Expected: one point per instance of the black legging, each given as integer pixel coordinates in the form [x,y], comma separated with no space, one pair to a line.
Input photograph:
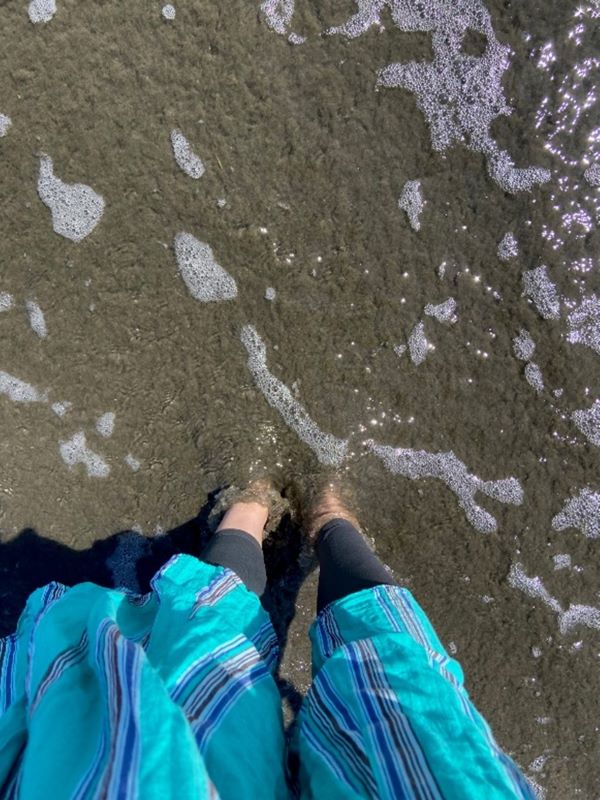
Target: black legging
[347,564]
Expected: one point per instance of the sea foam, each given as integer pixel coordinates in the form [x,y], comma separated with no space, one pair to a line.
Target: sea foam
[185,157]
[37,320]
[76,208]
[446,467]
[206,280]
[584,323]
[5,123]
[75,451]
[581,512]
[542,292]
[508,247]
[41,10]
[329,449]
[19,391]
[588,422]
[411,201]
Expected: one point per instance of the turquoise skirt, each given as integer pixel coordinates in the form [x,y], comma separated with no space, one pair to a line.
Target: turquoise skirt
[172,695]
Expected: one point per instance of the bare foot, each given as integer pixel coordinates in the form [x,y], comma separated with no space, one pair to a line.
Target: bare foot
[250,508]
[328,503]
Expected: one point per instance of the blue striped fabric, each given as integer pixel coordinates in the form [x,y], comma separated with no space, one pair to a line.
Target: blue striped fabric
[172,695]
[389,702]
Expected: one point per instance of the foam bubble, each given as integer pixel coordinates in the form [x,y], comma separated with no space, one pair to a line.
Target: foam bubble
[5,123]
[6,301]
[584,323]
[444,312]
[577,615]
[76,208]
[534,377]
[36,319]
[18,391]
[61,408]
[446,467]
[296,39]
[540,289]
[132,462]
[41,10]
[206,280]
[459,94]
[508,247]
[573,617]
[400,349]
[329,449]
[105,424]
[168,11]
[534,587]
[270,293]
[523,345]
[592,174]
[75,451]
[418,346]
[185,157]
[411,201]
[561,561]
[582,512]
[588,422]
[278,14]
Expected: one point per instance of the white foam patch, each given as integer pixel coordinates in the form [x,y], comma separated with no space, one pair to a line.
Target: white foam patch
[278,14]
[400,349]
[523,345]
[61,408]
[185,157]
[592,174]
[36,319]
[418,346]
[584,323]
[20,392]
[105,424]
[329,449]
[5,123]
[411,201]
[444,312]
[131,547]
[542,292]
[41,10]
[295,38]
[581,512]
[561,561]
[169,12]
[508,248]
[76,208]
[460,94]
[575,616]
[270,293]
[534,587]
[132,462]
[446,467]
[75,451]
[534,377]
[6,301]
[588,422]
[206,280]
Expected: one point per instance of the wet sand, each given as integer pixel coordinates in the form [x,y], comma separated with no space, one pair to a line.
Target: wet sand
[310,161]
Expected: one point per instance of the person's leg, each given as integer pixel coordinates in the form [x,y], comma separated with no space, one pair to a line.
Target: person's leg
[347,564]
[237,544]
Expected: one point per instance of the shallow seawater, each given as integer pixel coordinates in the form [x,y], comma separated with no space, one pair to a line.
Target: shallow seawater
[450,368]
